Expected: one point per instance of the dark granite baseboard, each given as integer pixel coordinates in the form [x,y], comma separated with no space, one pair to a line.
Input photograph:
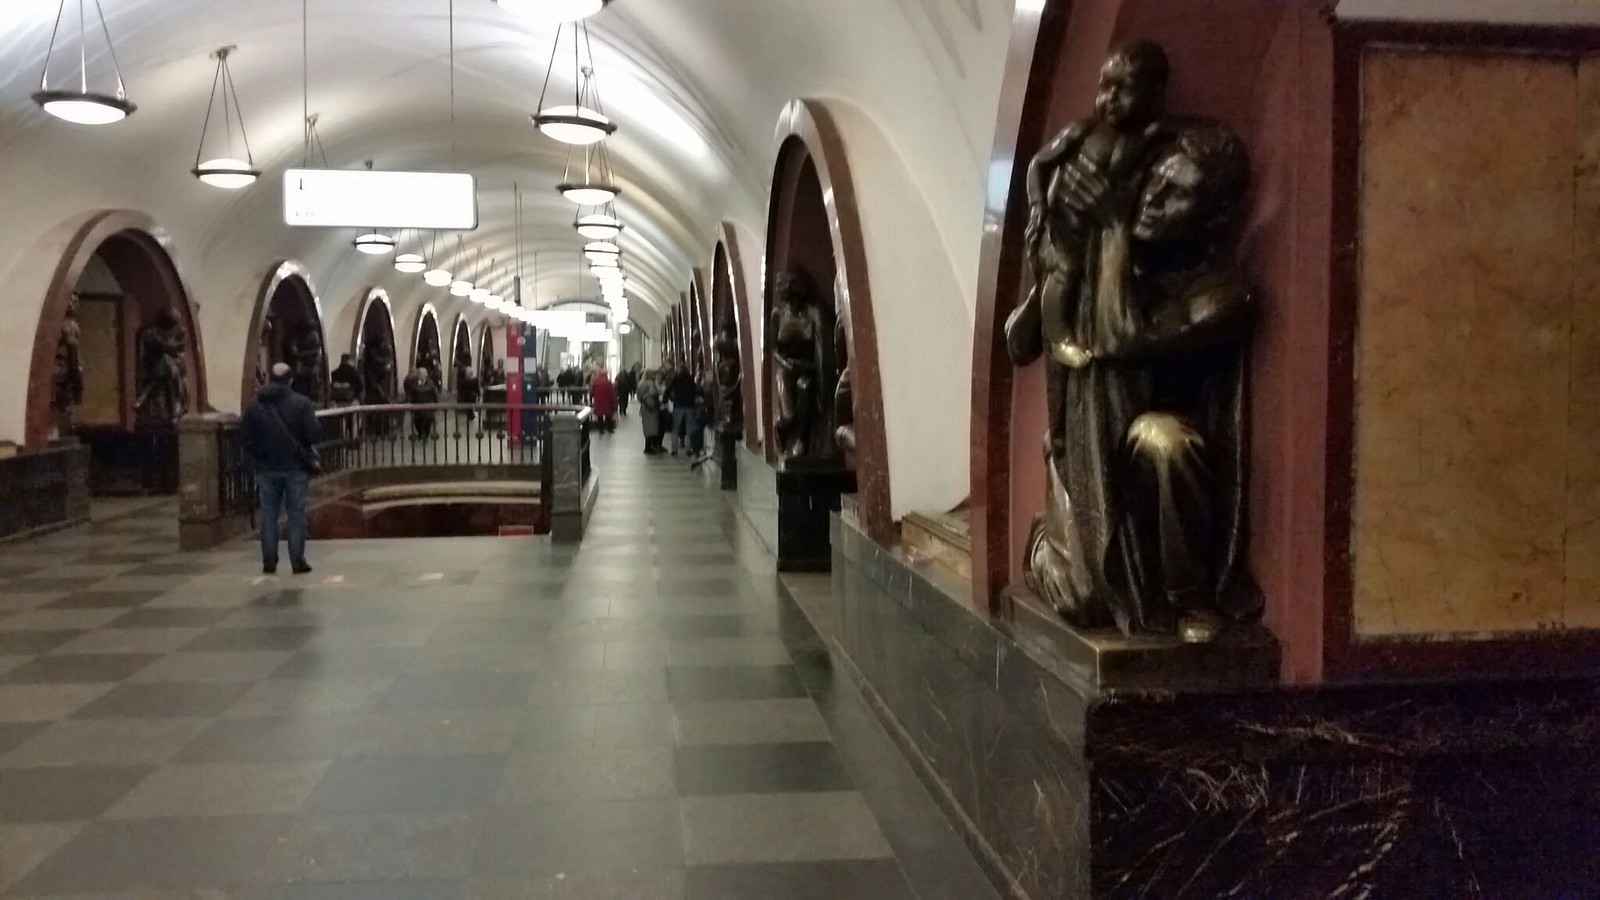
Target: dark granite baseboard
[1463,789]
[44,490]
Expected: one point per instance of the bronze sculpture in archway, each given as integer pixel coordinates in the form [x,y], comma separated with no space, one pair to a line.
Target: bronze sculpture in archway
[287,327]
[118,355]
[373,344]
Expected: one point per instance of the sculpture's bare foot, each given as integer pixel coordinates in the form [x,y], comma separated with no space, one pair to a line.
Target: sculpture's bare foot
[1199,628]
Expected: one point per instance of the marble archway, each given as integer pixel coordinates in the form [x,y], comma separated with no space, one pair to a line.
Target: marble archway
[119,273]
[286,326]
[729,301]
[486,357]
[374,346]
[813,226]
[460,348]
[427,346]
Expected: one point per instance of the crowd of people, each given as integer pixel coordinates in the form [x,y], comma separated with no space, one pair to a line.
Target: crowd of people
[673,402]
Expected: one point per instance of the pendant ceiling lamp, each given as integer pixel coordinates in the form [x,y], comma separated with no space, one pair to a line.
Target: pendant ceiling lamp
[624,327]
[461,287]
[438,276]
[481,294]
[601,248]
[374,243]
[554,10]
[228,171]
[83,106]
[584,120]
[594,185]
[414,262]
[599,226]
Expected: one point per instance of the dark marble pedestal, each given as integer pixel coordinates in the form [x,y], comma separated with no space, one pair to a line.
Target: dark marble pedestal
[1070,786]
[809,493]
[728,458]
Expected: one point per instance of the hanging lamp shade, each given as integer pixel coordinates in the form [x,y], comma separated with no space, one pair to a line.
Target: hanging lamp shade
[589,193]
[601,247]
[554,10]
[583,121]
[480,295]
[410,263]
[461,288]
[228,171]
[83,106]
[437,277]
[599,226]
[374,243]
[624,327]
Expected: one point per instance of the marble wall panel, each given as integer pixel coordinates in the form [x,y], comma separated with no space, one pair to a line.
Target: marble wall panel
[1474,397]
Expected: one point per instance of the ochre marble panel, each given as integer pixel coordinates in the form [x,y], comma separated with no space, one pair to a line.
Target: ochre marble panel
[1478,357]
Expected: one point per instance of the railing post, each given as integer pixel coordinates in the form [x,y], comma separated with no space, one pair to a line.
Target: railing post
[568,504]
[200,479]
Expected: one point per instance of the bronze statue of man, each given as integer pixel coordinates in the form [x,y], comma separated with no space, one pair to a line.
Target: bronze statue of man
[377,370]
[797,334]
[1143,526]
[67,384]
[729,375]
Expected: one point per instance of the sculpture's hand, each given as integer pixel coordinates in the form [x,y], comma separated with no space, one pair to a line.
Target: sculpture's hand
[1070,354]
[1088,192]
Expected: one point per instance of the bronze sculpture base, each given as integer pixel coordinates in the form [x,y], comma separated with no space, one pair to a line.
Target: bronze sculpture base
[1103,659]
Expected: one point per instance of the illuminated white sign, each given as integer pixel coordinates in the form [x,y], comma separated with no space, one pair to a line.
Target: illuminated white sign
[337,198]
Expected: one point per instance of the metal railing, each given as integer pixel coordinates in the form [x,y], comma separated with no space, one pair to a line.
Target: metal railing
[393,436]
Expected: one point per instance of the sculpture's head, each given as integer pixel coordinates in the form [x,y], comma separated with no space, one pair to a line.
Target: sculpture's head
[167,318]
[1197,188]
[793,288]
[1133,85]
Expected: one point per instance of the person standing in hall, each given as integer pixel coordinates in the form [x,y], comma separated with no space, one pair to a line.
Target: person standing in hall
[603,400]
[281,432]
[650,412]
[682,392]
[421,391]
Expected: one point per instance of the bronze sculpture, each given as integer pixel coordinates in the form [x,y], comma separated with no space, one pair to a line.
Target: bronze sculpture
[797,335]
[303,351]
[730,377]
[1144,323]
[844,402]
[377,371]
[164,392]
[67,384]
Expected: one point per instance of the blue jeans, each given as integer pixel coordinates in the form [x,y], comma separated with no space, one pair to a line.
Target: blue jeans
[282,492]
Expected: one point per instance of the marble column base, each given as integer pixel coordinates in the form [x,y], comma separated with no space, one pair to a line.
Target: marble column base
[809,494]
[728,459]
[1069,788]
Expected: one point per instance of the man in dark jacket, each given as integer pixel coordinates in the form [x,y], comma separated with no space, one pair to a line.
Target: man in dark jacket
[682,392]
[280,431]
[346,382]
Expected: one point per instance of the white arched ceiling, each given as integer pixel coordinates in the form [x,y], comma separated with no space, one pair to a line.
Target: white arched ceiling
[695,85]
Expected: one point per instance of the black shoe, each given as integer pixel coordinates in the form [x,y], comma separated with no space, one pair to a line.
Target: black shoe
[269,568]
[300,568]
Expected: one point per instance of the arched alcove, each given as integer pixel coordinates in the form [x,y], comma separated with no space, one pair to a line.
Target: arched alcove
[373,344]
[286,326]
[813,226]
[460,348]
[427,347]
[699,322]
[486,354]
[112,288]
[729,302]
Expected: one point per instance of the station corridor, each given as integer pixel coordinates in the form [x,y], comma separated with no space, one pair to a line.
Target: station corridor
[439,719]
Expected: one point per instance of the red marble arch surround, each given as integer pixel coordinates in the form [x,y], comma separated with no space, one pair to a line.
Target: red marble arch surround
[424,313]
[728,286]
[806,131]
[369,297]
[483,341]
[281,272]
[154,273]
[1264,67]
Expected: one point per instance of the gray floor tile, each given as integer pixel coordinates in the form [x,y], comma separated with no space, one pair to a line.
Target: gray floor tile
[32,643]
[105,599]
[58,619]
[737,651]
[151,617]
[46,702]
[111,742]
[391,846]
[220,789]
[214,667]
[552,729]
[278,638]
[348,662]
[665,884]
[80,669]
[458,691]
[153,701]
[304,697]
[749,722]
[166,854]
[759,769]
[692,684]
[626,726]
[393,784]
[591,775]
[593,837]
[130,640]
[780,828]
[64,794]
[411,889]
[873,879]
[24,846]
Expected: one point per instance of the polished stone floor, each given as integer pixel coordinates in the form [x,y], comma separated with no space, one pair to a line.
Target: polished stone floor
[446,718]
